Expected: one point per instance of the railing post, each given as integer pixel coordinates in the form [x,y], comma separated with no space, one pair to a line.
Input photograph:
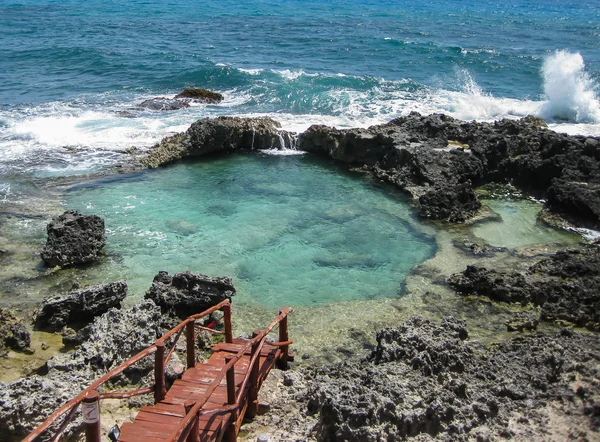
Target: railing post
[231,433]
[227,320]
[194,435]
[283,337]
[91,416]
[160,389]
[190,335]
[253,390]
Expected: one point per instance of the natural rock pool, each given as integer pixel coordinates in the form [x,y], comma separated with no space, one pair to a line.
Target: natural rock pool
[289,230]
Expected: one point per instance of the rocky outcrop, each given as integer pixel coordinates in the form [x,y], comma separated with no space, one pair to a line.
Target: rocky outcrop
[424,380]
[433,154]
[73,238]
[185,294]
[199,95]
[13,333]
[566,286]
[112,339]
[80,306]
[455,203]
[222,134]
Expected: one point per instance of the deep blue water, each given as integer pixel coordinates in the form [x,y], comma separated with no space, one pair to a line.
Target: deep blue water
[57,50]
[71,72]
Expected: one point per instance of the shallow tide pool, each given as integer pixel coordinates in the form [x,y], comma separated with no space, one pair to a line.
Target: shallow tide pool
[289,230]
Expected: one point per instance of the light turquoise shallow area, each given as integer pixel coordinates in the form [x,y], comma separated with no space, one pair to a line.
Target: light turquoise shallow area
[519,226]
[290,230]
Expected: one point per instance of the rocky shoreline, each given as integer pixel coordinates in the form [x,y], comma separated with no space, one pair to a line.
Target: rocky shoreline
[424,380]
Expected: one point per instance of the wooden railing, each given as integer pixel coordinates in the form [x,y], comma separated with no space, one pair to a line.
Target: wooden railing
[91,396]
[188,429]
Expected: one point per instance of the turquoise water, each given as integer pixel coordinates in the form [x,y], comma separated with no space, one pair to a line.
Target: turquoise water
[519,226]
[288,229]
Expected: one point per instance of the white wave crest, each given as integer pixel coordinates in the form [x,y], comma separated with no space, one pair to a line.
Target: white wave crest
[570,92]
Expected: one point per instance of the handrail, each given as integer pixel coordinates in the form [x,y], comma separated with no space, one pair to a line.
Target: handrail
[196,411]
[118,370]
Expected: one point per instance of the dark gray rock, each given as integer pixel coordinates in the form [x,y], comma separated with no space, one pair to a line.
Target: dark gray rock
[200,95]
[185,294]
[112,338]
[80,306]
[566,286]
[426,381]
[73,239]
[454,203]
[13,333]
[496,285]
[163,104]
[222,134]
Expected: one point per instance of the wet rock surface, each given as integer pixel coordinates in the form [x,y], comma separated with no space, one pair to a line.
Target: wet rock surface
[80,306]
[73,238]
[426,381]
[163,104]
[187,293]
[199,95]
[13,333]
[222,134]
[566,286]
[110,340]
[422,154]
[523,321]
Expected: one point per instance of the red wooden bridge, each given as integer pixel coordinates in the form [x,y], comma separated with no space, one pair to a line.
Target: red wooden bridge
[208,402]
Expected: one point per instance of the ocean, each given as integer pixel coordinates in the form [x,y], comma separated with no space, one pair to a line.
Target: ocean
[72,72]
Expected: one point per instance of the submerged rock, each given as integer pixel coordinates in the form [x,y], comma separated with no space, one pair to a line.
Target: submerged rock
[222,134]
[523,321]
[73,238]
[163,104]
[566,286]
[426,381]
[187,293]
[111,339]
[13,333]
[80,306]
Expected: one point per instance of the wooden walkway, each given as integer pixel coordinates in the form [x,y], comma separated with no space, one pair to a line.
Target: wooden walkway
[208,402]
[159,422]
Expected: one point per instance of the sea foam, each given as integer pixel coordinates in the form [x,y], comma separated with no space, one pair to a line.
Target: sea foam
[570,91]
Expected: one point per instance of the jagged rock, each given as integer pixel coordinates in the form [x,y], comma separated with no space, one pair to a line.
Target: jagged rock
[523,321]
[200,95]
[566,286]
[163,104]
[499,286]
[222,134]
[455,203]
[111,339]
[425,154]
[13,333]
[425,381]
[80,306]
[185,294]
[73,239]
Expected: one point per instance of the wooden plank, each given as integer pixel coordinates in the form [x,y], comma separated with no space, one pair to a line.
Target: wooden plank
[165,408]
[156,423]
[153,416]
